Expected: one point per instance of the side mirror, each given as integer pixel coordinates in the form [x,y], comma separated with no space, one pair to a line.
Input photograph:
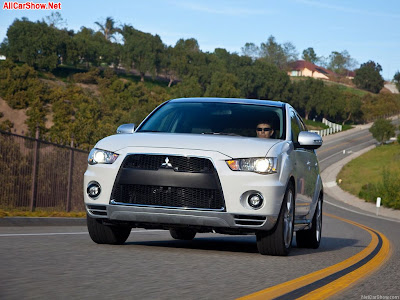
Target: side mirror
[126,128]
[309,140]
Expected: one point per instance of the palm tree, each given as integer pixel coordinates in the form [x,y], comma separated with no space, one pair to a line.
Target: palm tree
[108,28]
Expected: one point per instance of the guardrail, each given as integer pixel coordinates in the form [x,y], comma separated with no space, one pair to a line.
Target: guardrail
[333,128]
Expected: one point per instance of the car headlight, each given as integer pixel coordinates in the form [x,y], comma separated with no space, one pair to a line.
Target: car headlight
[263,165]
[98,156]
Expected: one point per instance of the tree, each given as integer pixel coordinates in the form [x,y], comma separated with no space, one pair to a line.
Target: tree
[186,57]
[36,117]
[310,55]
[263,80]
[332,102]
[398,137]
[188,87]
[307,95]
[279,55]
[4,48]
[91,49]
[251,50]
[352,109]
[19,85]
[396,79]
[37,44]
[142,50]
[340,62]
[368,77]
[108,29]
[223,85]
[382,130]
[55,20]
[167,65]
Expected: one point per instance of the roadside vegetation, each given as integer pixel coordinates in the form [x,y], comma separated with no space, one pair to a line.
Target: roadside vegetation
[82,85]
[374,174]
[40,213]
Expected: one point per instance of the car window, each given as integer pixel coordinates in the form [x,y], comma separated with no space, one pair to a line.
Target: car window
[295,127]
[215,118]
[303,127]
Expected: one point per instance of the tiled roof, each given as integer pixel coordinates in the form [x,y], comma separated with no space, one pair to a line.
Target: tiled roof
[350,73]
[302,64]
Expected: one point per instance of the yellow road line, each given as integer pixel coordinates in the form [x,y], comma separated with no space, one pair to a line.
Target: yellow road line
[349,279]
[339,284]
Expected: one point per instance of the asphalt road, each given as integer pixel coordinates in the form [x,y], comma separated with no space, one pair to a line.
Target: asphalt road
[63,263]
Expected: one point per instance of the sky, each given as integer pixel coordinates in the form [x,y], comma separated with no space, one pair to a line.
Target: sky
[367,29]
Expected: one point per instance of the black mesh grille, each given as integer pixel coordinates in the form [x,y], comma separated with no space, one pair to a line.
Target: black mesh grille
[179,163]
[181,195]
[169,196]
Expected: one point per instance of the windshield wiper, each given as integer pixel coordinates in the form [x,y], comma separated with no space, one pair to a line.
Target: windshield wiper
[149,131]
[222,133]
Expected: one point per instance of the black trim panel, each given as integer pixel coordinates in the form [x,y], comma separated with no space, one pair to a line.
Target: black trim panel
[168,177]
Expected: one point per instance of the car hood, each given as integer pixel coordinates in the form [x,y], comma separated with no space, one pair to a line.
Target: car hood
[232,146]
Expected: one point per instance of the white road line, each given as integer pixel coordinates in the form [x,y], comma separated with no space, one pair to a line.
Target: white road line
[63,233]
[41,234]
[360,213]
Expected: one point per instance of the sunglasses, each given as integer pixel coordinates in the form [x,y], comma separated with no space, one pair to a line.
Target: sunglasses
[264,129]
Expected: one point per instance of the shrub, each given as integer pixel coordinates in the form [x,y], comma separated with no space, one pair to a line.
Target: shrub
[388,189]
[382,130]
[6,125]
[90,77]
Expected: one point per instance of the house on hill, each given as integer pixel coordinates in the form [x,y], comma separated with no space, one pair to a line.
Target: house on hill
[308,69]
[350,74]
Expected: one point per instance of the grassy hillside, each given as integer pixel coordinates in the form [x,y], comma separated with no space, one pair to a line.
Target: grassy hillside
[374,174]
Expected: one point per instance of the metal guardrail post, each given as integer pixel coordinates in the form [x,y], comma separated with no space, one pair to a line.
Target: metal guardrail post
[35,171]
[69,188]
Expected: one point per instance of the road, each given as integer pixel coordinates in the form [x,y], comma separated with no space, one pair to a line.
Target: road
[63,263]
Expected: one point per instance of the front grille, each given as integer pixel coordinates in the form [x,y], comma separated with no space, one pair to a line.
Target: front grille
[178,163]
[173,197]
[143,181]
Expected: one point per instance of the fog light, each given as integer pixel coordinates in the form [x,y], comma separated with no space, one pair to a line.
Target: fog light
[255,200]
[93,189]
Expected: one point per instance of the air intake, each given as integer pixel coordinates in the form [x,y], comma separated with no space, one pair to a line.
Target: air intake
[246,220]
[98,210]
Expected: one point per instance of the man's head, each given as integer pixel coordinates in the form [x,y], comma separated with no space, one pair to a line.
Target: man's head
[264,130]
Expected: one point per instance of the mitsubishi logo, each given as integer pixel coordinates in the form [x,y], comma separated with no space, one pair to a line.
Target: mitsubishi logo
[167,164]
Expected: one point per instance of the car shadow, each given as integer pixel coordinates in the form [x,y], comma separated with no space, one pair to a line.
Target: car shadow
[244,244]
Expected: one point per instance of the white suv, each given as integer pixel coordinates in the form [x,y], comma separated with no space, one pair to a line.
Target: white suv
[229,166]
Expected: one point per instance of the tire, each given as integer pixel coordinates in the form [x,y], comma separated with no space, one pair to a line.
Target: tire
[278,241]
[182,233]
[106,234]
[311,238]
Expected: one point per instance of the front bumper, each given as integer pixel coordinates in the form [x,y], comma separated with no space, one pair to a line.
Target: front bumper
[162,217]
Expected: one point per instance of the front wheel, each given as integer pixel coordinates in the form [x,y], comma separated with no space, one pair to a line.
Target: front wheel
[278,241]
[107,234]
[311,238]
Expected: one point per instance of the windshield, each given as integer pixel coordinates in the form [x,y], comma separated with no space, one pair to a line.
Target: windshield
[216,118]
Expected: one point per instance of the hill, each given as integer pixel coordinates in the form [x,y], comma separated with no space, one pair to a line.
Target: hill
[86,105]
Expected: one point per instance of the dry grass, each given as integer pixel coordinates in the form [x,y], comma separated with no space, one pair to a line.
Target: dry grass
[17,116]
[41,213]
